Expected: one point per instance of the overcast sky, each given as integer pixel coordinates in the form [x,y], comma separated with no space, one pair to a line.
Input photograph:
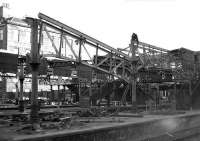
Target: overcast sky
[168,24]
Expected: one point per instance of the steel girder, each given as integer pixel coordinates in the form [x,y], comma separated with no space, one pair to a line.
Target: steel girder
[84,49]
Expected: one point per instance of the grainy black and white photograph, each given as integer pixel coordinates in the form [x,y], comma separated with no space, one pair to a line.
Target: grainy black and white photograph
[99,70]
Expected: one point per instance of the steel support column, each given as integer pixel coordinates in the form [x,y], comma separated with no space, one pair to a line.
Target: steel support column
[34,63]
[59,94]
[174,97]
[133,48]
[190,93]
[90,93]
[21,79]
[80,50]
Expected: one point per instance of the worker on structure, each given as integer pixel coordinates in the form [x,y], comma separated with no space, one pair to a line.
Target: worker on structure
[134,38]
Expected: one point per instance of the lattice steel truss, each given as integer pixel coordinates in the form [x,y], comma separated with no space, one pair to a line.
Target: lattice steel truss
[56,41]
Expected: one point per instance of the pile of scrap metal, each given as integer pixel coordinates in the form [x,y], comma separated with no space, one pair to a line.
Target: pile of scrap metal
[93,112]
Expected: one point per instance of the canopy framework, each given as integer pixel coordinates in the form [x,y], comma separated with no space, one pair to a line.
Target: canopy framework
[64,44]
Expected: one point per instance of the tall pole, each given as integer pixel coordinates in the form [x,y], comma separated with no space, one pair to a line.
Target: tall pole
[174,97]
[34,63]
[90,88]
[79,71]
[59,94]
[51,94]
[80,50]
[21,79]
[190,93]
[133,47]
[90,93]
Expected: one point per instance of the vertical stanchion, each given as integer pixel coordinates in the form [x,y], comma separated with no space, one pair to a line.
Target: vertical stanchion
[59,95]
[190,93]
[34,63]
[90,93]
[133,47]
[21,79]
[174,97]
[21,102]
